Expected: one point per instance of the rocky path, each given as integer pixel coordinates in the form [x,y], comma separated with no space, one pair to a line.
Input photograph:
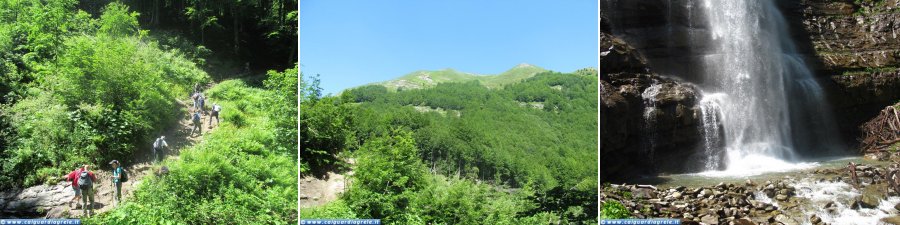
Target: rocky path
[317,191]
[822,196]
[52,201]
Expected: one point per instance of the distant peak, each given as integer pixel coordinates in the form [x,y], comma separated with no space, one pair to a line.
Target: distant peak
[523,65]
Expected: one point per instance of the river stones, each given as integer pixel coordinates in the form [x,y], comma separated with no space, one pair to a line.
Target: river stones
[858,204]
[872,195]
[786,220]
[676,195]
[781,197]
[643,193]
[744,221]
[895,220]
[709,219]
[815,219]
[704,193]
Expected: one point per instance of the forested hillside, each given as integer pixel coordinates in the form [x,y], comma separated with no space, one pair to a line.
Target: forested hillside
[86,82]
[259,34]
[458,153]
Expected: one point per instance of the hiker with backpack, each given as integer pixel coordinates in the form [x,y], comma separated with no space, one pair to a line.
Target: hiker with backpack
[118,176]
[202,100]
[196,98]
[158,145]
[215,113]
[86,180]
[73,177]
[197,123]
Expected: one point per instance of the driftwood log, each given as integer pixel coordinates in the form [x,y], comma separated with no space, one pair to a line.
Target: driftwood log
[882,132]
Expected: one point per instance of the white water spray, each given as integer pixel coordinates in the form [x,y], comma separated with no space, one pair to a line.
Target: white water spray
[831,201]
[752,68]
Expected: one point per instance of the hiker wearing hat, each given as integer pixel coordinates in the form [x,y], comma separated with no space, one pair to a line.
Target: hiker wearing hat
[118,176]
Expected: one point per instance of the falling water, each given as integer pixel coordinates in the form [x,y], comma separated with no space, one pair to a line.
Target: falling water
[710,122]
[754,65]
[649,97]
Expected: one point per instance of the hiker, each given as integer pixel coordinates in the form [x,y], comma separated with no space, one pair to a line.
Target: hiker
[201,100]
[197,123]
[158,145]
[215,113]
[196,97]
[117,179]
[196,87]
[86,180]
[73,177]
[852,167]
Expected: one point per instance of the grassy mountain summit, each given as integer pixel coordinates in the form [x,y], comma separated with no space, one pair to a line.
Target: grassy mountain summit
[425,79]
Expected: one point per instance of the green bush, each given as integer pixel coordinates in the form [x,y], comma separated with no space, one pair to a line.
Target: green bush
[612,209]
[387,176]
[337,209]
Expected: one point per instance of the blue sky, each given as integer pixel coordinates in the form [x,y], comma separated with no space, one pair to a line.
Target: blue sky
[351,43]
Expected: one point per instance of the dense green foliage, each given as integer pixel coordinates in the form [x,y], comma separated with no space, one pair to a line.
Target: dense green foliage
[233,176]
[612,209]
[459,153]
[538,132]
[82,82]
[283,91]
[81,90]
[325,131]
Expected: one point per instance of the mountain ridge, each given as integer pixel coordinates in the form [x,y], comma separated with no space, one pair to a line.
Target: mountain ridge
[428,78]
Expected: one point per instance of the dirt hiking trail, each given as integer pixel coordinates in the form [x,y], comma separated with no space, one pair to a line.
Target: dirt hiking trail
[52,201]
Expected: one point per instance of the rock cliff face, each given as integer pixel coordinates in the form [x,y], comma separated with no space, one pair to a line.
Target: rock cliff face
[646,119]
[855,48]
[852,45]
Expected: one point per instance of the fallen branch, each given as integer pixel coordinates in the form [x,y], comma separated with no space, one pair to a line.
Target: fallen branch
[881,132]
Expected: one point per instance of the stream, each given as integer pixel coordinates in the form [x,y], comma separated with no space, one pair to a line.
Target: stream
[827,196]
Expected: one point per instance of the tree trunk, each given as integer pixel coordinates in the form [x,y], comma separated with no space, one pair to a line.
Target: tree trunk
[236,28]
[293,53]
[154,19]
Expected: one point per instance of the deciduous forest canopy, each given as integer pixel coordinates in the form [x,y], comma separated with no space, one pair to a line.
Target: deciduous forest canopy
[458,153]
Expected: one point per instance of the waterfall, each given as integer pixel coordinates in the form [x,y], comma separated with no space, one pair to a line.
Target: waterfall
[710,121]
[649,98]
[754,67]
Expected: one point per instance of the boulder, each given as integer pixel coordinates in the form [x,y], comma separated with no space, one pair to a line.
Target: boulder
[786,220]
[781,197]
[815,219]
[709,219]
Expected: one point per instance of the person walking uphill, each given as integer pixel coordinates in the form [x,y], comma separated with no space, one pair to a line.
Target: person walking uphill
[73,177]
[118,176]
[158,146]
[215,113]
[197,123]
[196,98]
[86,180]
[201,100]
